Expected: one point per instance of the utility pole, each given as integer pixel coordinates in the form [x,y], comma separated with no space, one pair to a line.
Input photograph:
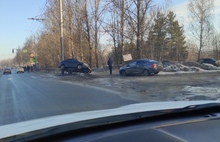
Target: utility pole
[61,31]
[35,51]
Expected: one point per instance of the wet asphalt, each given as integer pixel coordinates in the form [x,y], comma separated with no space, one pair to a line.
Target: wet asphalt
[27,96]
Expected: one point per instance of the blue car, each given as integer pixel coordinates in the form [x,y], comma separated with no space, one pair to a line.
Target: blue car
[141,67]
[73,65]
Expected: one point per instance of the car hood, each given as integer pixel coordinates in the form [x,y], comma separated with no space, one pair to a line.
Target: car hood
[35,127]
[123,67]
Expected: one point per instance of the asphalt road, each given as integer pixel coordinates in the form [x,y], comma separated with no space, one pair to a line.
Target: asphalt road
[29,96]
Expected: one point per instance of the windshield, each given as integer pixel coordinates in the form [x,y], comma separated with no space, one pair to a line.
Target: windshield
[71,56]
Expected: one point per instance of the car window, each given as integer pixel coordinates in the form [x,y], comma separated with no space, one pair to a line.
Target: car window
[132,64]
[211,61]
[140,63]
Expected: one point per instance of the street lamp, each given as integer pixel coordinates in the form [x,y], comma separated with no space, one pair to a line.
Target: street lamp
[61,31]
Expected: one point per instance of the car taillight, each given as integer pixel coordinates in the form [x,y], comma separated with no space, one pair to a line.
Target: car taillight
[153,65]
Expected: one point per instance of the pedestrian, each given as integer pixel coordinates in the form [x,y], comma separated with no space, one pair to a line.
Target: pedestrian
[28,68]
[110,65]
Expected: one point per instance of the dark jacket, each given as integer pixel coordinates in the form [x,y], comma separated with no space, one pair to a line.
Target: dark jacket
[109,62]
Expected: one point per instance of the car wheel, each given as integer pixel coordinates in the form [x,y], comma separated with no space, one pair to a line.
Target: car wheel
[123,73]
[79,67]
[62,67]
[146,72]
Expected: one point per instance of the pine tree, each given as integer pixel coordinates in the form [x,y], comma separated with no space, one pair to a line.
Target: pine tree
[166,40]
[176,41]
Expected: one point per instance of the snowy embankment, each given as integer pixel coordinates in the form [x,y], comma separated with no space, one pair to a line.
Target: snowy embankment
[187,67]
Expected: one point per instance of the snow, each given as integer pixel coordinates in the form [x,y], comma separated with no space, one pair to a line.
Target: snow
[207,91]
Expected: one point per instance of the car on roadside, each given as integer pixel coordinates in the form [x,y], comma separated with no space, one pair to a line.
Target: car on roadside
[142,66]
[7,70]
[208,61]
[20,70]
[74,65]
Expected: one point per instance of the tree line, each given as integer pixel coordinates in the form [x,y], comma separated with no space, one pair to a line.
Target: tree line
[97,29]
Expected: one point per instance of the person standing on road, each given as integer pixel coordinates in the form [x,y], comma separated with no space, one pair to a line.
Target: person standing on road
[110,65]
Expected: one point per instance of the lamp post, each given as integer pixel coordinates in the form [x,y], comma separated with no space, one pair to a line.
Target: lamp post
[61,31]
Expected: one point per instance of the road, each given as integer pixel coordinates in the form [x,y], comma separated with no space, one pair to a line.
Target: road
[29,96]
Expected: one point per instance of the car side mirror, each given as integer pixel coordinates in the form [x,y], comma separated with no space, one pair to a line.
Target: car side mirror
[128,65]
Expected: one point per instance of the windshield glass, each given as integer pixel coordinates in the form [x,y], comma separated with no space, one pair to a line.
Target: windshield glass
[70,56]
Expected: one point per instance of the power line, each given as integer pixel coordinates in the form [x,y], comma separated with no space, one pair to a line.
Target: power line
[37,18]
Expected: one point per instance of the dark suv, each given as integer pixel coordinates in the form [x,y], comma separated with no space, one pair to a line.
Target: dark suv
[141,66]
[208,61]
[73,65]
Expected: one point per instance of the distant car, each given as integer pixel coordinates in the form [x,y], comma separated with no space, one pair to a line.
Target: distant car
[7,71]
[20,70]
[141,66]
[208,61]
[73,65]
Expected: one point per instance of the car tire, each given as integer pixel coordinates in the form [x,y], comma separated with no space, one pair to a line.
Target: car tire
[146,73]
[79,67]
[62,67]
[123,73]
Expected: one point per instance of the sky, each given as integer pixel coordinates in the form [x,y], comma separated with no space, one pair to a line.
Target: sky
[15,27]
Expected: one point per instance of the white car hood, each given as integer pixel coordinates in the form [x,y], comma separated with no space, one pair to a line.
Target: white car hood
[20,128]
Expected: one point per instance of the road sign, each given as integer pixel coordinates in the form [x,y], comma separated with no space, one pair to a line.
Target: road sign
[127,57]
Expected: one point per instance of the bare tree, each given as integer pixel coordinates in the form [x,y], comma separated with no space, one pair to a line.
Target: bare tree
[138,20]
[216,46]
[201,21]
[88,31]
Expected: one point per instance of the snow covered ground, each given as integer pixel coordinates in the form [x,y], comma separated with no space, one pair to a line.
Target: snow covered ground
[177,82]
[191,86]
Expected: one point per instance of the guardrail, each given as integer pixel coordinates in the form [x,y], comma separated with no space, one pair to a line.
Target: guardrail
[58,71]
[49,70]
